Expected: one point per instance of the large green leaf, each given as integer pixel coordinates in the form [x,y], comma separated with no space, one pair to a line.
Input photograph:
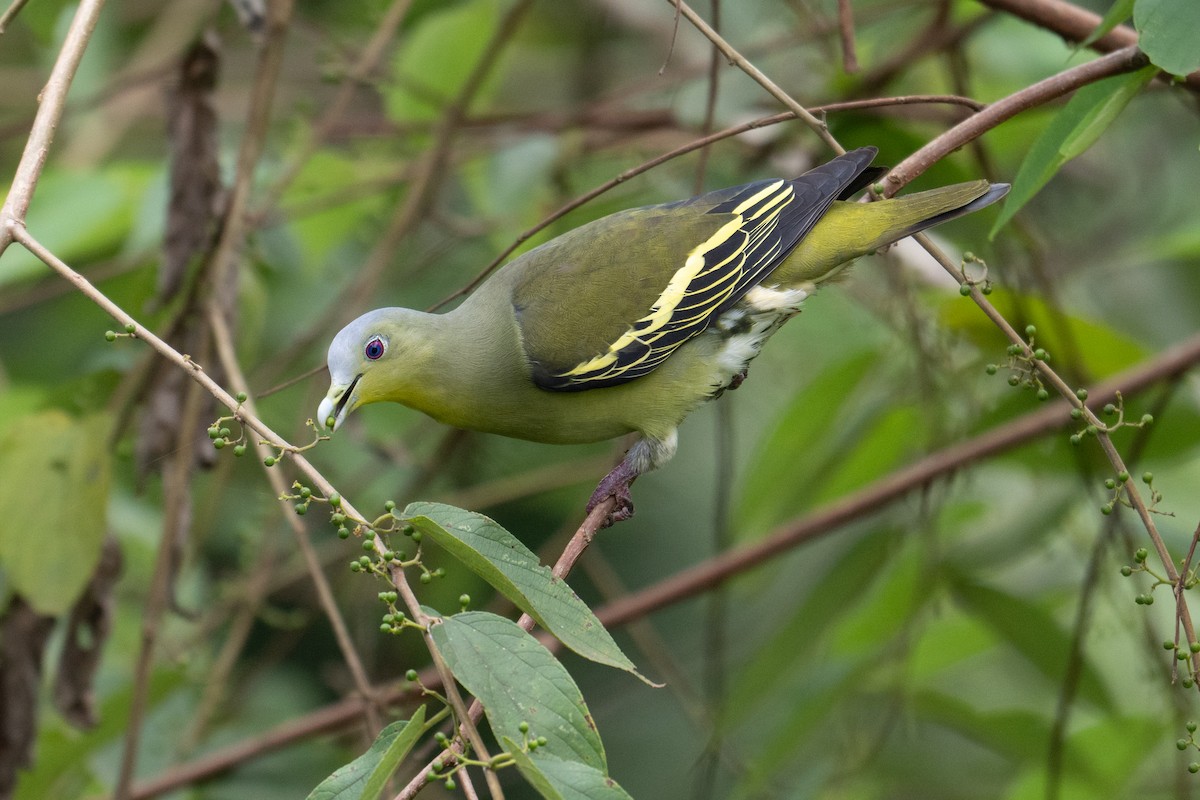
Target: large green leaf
[1169,32]
[557,779]
[364,777]
[518,680]
[54,501]
[1072,131]
[513,569]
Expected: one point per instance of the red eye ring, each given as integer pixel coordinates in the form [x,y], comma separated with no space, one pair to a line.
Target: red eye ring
[375,348]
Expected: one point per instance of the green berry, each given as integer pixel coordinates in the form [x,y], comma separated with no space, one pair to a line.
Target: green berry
[365,561]
[226,432]
[389,505]
[1194,767]
[302,508]
[1187,683]
[214,432]
[1191,727]
[1043,395]
[464,600]
[130,328]
[1147,419]
[1081,394]
[1076,413]
[1147,599]
[1147,477]
[1076,438]
[1194,647]
[1013,380]
[1168,644]
[1039,354]
[523,727]
[1109,409]
[337,519]
[407,530]
[1182,744]
[241,397]
[1106,509]
[385,628]
[426,577]
[440,572]
[1122,476]
[388,555]
[991,369]
[1014,349]
[416,536]
[330,421]
[1109,483]
[355,566]
[1141,554]
[1030,330]
[450,784]
[411,675]
[368,545]
[1126,570]
[541,740]
[239,450]
[343,532]
[110,336]
[270,461]
[335,500]
[219,443]
[305,492]
[964,290]
[987,288]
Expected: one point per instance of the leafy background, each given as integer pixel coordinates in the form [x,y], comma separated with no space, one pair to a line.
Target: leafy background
[973,639]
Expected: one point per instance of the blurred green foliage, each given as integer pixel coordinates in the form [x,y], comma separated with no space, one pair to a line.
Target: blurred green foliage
[924,650]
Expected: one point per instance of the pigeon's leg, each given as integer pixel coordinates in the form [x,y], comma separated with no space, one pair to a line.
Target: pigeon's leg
[646,454]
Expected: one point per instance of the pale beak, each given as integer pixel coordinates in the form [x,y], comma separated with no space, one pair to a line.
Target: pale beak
[337,405]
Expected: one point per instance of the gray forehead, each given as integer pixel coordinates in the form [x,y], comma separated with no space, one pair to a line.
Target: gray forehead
[345,352]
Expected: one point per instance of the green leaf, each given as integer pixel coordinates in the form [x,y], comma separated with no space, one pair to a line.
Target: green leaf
[1072,131]
[364,777]
[54,502]
[437,58]
[1169,33]
[1031,631]
[513,569]
[556,779]
[518,680]
[1120,11]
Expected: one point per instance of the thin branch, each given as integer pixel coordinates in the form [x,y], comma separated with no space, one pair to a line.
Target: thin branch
[45,122]
[1125,60]
[846,31]
[11,13]
[1074,24]
[872,498]
[738,60]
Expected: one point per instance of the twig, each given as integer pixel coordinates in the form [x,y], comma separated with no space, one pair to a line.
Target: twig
[45,122]
[1125,60]
[228,358]
[11,13]
[1075,24]
[846,30]
[738,60]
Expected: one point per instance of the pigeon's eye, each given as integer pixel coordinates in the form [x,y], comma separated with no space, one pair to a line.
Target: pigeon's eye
[375,347]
